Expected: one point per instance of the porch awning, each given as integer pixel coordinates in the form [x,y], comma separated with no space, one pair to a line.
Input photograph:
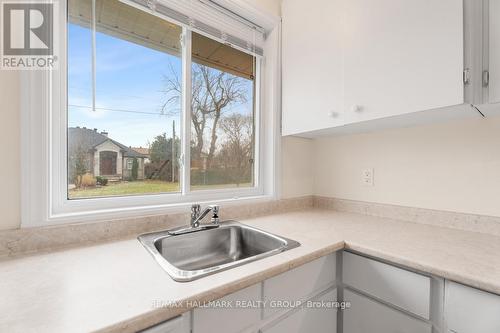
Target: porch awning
[125,22]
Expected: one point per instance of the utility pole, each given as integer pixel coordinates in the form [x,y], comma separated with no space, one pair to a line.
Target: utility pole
[173,151]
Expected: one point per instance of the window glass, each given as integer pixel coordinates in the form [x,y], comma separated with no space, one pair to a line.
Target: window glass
[222,116]
[129,143]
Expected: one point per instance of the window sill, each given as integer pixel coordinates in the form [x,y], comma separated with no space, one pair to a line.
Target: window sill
[99,215]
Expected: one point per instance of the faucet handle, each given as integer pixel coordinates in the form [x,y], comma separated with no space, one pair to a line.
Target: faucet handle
[215,214]
[195,211]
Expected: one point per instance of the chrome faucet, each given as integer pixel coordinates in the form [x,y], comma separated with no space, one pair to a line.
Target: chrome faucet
[197,216]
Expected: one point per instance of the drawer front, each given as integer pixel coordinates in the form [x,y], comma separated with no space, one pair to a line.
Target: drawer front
[300,282]
[232,319]
[402,288]
[366,315]
[317,320]
[469,310]
[179,324]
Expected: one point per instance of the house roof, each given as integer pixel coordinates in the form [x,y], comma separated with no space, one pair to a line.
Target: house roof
[141,150]
[87,139]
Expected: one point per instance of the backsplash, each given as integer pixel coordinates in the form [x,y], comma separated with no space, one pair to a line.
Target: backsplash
[468,222]
[45,239]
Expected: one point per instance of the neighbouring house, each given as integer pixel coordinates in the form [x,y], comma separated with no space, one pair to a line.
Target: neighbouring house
[143,151]
[101,156]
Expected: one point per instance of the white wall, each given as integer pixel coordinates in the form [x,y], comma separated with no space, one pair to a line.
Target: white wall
[10,180]
[453,166]
[271,6]
[297,167]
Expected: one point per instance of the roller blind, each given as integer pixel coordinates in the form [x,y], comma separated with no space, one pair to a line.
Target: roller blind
[210,19]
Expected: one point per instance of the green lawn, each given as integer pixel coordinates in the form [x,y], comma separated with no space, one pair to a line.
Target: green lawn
[138,187]
[126,188]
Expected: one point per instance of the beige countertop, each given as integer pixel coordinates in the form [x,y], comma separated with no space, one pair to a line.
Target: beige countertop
[113,287]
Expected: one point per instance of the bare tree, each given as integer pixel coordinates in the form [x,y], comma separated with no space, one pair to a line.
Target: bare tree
[213,91]
[236,153]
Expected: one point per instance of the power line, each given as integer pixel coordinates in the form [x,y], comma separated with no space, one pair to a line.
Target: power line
[123,110]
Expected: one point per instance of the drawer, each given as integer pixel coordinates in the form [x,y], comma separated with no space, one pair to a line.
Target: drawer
[366,315]
[317,320]
[402,288]
[179,324]
[469,310]
[232,319]
[299,283]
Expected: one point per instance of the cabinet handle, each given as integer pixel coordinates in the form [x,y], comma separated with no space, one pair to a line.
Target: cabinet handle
[486,78]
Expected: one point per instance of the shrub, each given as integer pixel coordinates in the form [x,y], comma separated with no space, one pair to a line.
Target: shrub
[101,180]
[135,169]
[87,180]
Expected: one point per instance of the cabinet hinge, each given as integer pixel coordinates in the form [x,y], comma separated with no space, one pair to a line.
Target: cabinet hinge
[466,76]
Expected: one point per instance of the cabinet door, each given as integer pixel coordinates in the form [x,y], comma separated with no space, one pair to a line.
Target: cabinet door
[300,283]
[402,56]
[227,317]
[494,51]
[402,288]
[366,315]
[312,65]
[468,310]
[310,319]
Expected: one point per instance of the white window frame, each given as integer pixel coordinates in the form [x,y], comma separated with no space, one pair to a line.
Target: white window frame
[130,164]
[44,141]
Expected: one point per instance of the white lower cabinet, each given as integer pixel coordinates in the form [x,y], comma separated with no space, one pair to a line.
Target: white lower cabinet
[469,310]
[383,298]
[317,316]
[366,315]
[281,294]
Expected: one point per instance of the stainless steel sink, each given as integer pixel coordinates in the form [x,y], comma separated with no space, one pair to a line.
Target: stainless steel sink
[191,255]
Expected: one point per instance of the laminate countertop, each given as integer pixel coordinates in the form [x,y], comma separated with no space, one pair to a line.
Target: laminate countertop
[113,287]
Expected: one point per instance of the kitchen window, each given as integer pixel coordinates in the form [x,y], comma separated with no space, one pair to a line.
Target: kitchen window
[156,110]
[125,86]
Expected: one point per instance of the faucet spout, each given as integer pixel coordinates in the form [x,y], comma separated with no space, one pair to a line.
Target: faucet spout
[197,217]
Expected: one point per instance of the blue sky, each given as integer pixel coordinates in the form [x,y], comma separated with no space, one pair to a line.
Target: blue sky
[130,78]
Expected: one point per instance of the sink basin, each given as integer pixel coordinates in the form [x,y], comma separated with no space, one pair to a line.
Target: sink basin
[191,255]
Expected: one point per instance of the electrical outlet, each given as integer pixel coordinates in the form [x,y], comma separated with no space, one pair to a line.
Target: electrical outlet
[368,177]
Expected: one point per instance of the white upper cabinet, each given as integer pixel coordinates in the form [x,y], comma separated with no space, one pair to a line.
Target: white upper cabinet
[349,61]
[494,52]
[402,56]
[312,65]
